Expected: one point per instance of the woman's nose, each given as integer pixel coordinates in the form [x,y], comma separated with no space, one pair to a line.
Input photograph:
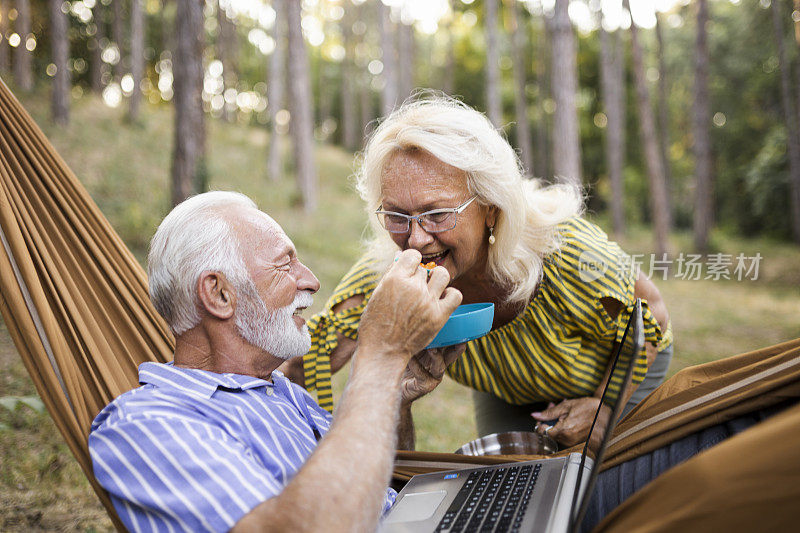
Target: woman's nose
[418,237]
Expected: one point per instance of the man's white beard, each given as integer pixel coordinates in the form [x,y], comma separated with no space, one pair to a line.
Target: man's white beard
[273,331]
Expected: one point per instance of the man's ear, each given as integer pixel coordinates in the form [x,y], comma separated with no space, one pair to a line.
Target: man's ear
[216,294]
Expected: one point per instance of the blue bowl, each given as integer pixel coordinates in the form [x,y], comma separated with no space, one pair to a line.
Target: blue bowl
[467,322]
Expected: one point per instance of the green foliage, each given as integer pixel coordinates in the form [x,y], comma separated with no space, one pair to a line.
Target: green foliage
[766,189]
[11,403]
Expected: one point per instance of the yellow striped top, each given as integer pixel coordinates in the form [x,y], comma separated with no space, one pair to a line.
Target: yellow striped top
[558,347]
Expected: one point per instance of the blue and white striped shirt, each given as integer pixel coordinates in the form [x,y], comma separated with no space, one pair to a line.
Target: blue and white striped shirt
[192,450]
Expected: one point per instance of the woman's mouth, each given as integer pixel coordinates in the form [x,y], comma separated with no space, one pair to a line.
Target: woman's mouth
[437,258]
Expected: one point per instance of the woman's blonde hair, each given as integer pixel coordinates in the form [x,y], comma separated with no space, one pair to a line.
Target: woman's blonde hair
[456,134]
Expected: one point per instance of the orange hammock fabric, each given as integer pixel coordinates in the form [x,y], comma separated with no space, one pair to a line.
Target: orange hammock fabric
[73,297]
[75,302]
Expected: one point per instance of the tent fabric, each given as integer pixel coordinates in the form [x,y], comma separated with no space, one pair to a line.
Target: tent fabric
[75,303]
[73,298]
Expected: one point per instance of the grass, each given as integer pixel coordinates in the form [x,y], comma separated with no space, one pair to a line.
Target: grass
[126,169]
[42,488]
[712,319]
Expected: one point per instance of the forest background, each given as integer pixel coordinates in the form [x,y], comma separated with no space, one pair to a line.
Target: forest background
[682,127]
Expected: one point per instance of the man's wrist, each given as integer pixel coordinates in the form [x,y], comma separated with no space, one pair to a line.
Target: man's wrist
[383,347]
[383,357]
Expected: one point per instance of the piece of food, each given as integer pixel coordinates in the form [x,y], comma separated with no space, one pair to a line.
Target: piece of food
[429,265]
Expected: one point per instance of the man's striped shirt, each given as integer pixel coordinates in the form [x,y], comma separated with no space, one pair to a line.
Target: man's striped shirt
[192,450]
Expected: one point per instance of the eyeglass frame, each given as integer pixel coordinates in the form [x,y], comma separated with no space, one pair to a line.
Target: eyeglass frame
[454,210]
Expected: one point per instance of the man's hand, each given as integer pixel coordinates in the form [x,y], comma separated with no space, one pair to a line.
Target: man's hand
[407,309]
[574,421]
[426,370]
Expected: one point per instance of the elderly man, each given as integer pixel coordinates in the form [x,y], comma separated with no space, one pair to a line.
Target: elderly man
[219,439]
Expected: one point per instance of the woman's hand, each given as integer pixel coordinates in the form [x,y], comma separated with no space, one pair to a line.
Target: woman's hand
[574,421]
[426,369]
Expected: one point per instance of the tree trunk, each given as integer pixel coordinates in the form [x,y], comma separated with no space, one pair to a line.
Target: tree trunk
[366,109]
[323,96]
[137,57]
[792,139]
[405,34]
[663,108]
[118,36]
[369,13]
[494,108]
[60,46]
[797,69]
[389,92]
[797,25]
[301,107]
[227,51]
[276,87]
[652,153]
[542,157]
[168,26]
[188,153]
[518,41]
[612,84]
[97,66]
[566,130]
[5,49]
[448,73]
[350,138]
[23,72]
[701,121]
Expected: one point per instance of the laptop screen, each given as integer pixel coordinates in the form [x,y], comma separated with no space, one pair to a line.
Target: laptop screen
[615,390]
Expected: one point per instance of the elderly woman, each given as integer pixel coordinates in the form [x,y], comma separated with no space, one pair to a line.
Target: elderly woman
[438,178]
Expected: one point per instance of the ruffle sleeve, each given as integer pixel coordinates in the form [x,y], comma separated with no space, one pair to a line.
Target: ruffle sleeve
[326,326]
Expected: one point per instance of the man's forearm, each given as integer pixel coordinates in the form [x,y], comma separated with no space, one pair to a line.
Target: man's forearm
[360,446]
[406,436]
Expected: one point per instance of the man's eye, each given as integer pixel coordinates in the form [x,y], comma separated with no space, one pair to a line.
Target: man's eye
[284,266]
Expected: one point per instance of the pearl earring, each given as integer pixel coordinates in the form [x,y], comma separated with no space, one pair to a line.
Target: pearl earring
[491,236]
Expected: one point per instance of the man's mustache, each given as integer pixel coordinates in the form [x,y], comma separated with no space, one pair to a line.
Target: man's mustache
[302,299]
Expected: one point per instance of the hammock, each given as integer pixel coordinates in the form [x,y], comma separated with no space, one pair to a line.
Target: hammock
[72,296]
[75,302]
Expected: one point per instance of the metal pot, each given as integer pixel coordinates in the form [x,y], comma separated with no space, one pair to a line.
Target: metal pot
[510,443]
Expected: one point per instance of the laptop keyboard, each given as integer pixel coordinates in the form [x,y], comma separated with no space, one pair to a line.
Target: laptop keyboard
[491,500]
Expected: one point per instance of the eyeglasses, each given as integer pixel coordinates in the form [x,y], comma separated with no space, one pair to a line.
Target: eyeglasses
[434,221]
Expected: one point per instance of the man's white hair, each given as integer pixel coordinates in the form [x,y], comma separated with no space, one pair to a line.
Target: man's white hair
[460,136]
[192,238]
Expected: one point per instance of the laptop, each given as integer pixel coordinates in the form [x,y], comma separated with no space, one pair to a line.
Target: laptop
[549,495]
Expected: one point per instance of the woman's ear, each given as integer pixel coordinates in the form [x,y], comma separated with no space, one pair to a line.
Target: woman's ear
[491,216]
[216,294]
